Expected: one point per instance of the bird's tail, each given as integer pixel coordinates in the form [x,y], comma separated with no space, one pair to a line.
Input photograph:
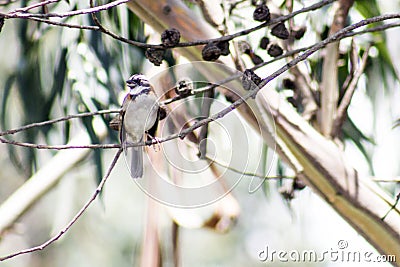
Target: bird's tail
[137,162]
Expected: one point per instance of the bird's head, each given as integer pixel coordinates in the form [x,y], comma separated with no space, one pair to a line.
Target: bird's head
[138,84]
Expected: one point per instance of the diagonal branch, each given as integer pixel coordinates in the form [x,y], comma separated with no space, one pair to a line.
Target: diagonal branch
[348,95]
[67,25]
[74,219]
[40,4]
[59,147]
[66,14]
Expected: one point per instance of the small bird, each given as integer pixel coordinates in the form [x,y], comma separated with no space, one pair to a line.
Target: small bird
[140,115]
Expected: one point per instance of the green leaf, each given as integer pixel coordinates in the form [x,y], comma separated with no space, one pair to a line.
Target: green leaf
[367,8]
[57,86]
[7,90]
[97,153]
[370,9]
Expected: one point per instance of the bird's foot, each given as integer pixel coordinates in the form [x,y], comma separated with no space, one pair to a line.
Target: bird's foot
[156,142]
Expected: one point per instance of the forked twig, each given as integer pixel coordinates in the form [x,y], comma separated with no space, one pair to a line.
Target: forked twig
[348,95]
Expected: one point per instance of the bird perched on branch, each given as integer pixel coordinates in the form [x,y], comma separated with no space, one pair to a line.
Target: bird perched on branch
[140,115]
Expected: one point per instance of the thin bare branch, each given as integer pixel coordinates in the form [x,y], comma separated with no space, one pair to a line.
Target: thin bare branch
[118,37]
[386,180]
[223,38]
[353,66]
[344,33]
[66,14]
[68,117]
[333,38]
[39,17]
[68,25]
[59,147]
[374,29]
[263,25]
[40,4]
[344,104]
[96,9]
[266,177]
[74,219]
[287,54]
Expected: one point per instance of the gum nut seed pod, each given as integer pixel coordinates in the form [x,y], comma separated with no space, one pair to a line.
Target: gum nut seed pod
[210,52]
[245,47]
[264,42]
[299,33]
[261,13]
[256,59]
[275,50]
[224,47]
[280,31]
[170,37]
[166,9]
[250,80]
[288,84]
[155,56]
[298,184]
[246,83]
[184,87]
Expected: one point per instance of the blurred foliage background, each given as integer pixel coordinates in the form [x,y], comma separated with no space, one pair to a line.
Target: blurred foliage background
[49,72]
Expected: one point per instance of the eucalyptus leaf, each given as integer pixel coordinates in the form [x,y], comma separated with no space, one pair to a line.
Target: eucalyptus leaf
[97,153]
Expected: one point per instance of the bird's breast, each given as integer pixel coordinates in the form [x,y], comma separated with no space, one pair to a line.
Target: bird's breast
[140,116]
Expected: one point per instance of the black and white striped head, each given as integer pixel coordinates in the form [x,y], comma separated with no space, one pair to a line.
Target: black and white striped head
[138,84]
